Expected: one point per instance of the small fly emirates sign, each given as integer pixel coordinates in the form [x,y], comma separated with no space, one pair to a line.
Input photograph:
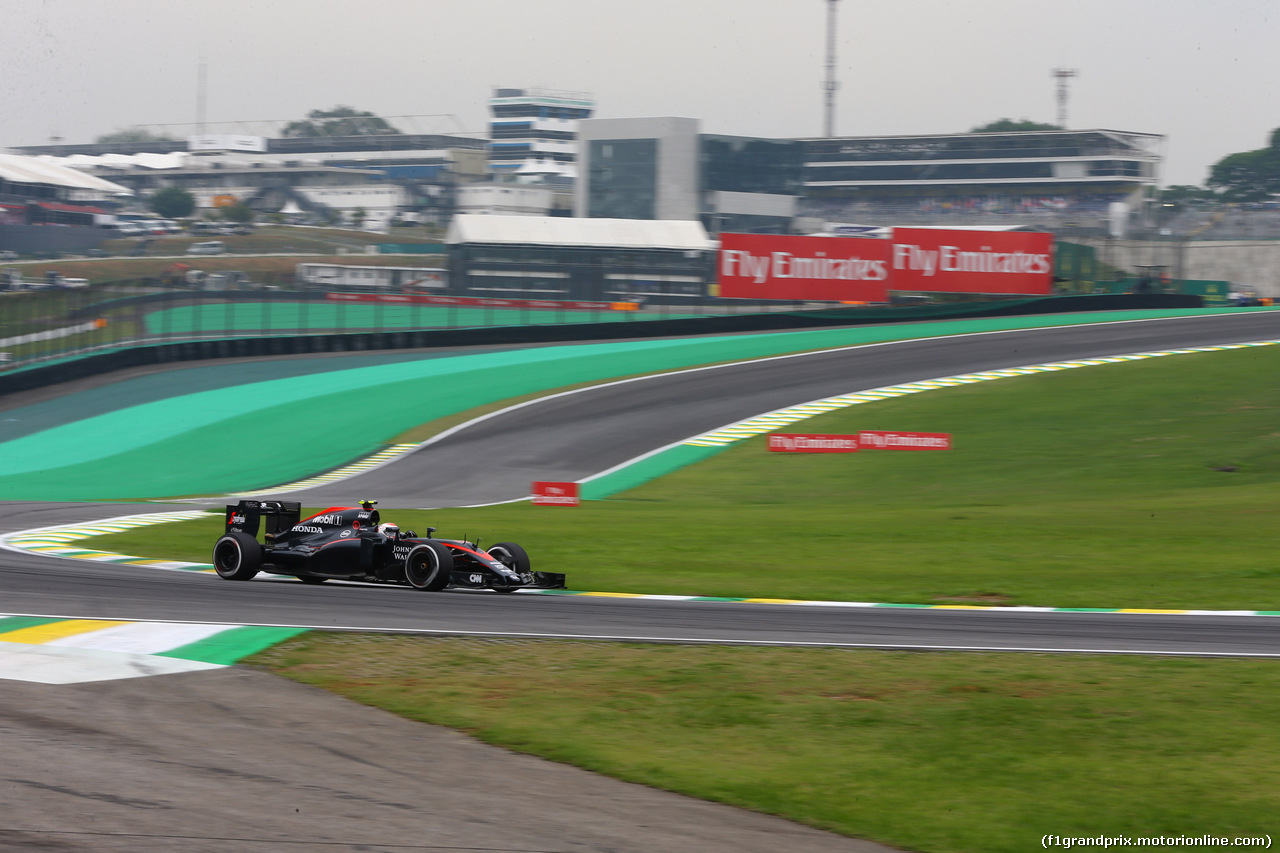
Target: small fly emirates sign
[866,440]
[789,443]
[555,494]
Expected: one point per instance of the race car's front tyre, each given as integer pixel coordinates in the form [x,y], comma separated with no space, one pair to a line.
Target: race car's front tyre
[237,556]
[513,557]
[429,566]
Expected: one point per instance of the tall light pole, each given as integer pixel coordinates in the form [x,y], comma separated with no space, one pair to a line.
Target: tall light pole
[1062,75]
[830,85]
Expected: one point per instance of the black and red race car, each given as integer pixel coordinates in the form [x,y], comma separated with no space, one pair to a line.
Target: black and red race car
[351,543]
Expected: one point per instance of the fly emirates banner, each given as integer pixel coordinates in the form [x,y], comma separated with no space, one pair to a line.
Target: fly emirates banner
[851,269]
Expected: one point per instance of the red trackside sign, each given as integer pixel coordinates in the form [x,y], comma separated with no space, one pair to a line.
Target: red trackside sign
[771,266]
[850,269]
[939,259]
[555,494]
[783,442]
[878,440]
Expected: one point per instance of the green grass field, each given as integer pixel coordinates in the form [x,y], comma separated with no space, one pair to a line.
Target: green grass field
[1146,484]
[934,752]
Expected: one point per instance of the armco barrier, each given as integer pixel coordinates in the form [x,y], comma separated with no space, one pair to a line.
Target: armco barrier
[78,367]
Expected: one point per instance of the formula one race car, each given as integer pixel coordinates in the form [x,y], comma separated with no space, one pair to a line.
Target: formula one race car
[351,543]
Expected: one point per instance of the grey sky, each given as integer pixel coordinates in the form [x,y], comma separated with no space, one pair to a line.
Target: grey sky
[1206,75]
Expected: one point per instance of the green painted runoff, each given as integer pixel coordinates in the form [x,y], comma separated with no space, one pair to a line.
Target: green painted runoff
[272,431]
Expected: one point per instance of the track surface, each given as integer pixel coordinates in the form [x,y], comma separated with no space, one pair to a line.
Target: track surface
[235,760]
[573,436]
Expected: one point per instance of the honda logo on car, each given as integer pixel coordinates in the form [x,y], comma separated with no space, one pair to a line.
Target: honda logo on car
[304,528]
[789,443]
[555,494]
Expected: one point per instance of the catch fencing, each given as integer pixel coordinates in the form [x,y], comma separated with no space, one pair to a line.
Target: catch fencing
[40,322]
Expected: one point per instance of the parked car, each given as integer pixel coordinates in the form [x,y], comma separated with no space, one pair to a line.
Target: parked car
[208,247]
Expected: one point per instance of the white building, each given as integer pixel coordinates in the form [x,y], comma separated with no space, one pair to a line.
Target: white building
[533,133]
[505,199]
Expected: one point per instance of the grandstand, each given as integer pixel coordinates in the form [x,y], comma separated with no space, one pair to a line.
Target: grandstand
[1047,178]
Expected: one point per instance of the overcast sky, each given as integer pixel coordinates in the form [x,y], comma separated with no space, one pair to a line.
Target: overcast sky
[1204,74]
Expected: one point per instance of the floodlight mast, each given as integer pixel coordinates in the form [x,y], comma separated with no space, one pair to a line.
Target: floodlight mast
[830,85]
[1062,75]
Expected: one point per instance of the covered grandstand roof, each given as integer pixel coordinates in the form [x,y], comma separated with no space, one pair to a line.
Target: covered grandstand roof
[28,170]
[175,160]
[563,231]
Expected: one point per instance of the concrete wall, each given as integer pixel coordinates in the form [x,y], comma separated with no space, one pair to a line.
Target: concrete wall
[46,238]
[1247,264]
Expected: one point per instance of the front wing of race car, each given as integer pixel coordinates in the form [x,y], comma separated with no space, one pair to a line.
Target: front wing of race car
[475,579]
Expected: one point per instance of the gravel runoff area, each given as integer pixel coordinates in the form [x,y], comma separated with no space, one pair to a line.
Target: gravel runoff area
[238,761]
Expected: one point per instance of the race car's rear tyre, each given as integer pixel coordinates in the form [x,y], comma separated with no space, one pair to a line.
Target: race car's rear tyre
[429,566]
[237,556]
[513,557]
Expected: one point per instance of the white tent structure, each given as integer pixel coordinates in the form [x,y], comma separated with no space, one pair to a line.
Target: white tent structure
[565,231]
[15,169]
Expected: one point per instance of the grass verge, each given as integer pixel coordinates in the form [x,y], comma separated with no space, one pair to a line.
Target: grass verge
[937,752]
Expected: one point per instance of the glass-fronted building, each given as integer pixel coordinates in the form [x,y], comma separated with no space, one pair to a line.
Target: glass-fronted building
[663,168]
[1107,163]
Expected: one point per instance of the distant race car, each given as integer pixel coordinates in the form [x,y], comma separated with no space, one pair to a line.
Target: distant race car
[351,543]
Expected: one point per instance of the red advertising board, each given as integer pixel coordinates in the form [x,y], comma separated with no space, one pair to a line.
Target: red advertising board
[783,442]
[772,266]
[851,269]
[870,439]
[555,494]
[953,261]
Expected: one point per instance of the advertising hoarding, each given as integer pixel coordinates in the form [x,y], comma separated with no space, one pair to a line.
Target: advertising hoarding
[847,269]
[772,266]
[785,442]
[870,439]
[555,494]
[954,261]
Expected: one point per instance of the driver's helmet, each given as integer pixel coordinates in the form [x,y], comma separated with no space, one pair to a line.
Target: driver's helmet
[389,530]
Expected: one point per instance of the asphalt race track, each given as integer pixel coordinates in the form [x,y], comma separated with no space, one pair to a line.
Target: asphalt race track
[235,760]
[572,436]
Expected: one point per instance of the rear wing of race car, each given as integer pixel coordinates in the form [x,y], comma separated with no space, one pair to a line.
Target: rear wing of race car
[247,516]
